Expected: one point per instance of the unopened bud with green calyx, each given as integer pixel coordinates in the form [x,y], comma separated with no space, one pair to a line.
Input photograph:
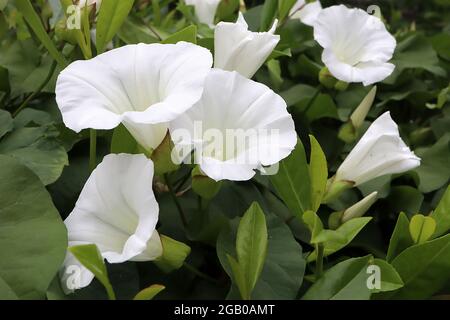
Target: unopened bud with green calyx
[349,131]
[360,208]
[336,219]
[335,188]
[203,185]
[327,79]
[162,157]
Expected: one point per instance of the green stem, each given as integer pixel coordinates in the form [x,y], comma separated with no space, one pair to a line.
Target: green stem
[175,199]
[41,87]
[200,274]
[110,292]
[92,149]
[319,260]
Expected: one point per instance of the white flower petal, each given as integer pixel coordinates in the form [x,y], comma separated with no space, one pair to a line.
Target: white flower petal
[205,10]
[356,45]
[306,12]
[238,49]
[251,111]
[149,136]
[365,72]
[140,84]
[117,210]
[380,151]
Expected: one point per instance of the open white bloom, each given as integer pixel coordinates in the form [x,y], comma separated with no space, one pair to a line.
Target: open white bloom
[205,10]
[118,212]
[380,151]
[143,86]
[306,12]
[238,49]
[357,46]
[238,126]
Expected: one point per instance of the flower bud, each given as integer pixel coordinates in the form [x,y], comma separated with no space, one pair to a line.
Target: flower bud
[326,78]
[359,208]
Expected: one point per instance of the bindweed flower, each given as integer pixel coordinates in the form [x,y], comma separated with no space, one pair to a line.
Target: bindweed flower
[238,126]
[143,86]
[238,49]
[116,211]
[380,151]
[357,46]
[205,10]
[306,12]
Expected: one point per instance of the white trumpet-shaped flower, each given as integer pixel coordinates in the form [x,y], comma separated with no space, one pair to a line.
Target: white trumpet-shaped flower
[380,151]
[238,49]
[357,46]
[143,86]
[116,211]
[238,126]
[306,12]
[205,10]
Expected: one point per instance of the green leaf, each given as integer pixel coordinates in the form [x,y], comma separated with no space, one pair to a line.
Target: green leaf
[434,171]
[275,73]
[188,34]
[268,14]
[226,9]
[133,32]
[38,149]
[162,157]
[335,240]
[6,122]
[6,293]
[312,220]
[423,268]
[415,52]
[318,172]
[203,185]
[406,199]
[298,93]
[346,280]
[442,214]
[111,17]
[26,8]
[238,276]
[284,6]
[26,67]
[251,245]
[173,256]
[89,256]
[400,239]
[33,237]
[421,228]
[390,279]
[149,293]
[292,181]
[4,80]
[123,142]
[284,266]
